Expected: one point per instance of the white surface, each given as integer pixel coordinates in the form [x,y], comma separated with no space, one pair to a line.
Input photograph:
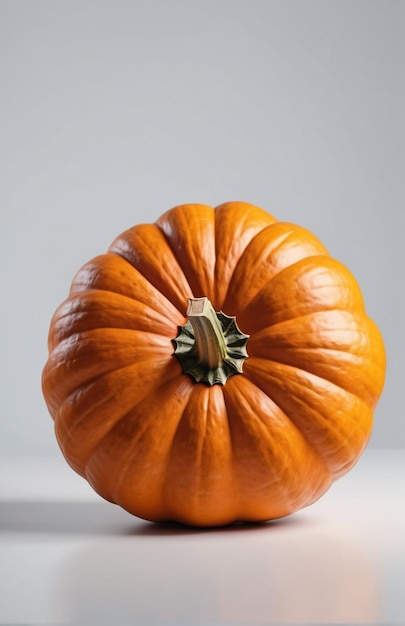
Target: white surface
[66,557]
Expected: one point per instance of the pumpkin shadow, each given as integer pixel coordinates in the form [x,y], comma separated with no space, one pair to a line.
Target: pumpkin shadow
[105,519]
[64,518]
[163,529]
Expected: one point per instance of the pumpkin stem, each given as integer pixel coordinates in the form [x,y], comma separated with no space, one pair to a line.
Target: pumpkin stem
[210,346]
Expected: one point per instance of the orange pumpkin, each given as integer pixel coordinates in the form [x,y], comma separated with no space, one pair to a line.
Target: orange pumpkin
[215,366]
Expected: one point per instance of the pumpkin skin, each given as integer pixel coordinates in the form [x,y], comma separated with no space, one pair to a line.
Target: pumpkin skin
[268,442]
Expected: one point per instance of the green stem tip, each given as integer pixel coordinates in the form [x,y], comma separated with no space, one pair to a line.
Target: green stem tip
[210,346]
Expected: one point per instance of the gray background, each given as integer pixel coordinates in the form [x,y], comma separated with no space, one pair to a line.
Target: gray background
[112,112]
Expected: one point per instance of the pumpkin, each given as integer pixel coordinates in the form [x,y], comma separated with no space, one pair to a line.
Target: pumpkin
[215,366]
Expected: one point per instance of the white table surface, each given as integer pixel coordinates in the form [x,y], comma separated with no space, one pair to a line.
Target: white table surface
[67,557]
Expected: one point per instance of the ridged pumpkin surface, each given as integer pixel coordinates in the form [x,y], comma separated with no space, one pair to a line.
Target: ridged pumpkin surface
[271,439]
